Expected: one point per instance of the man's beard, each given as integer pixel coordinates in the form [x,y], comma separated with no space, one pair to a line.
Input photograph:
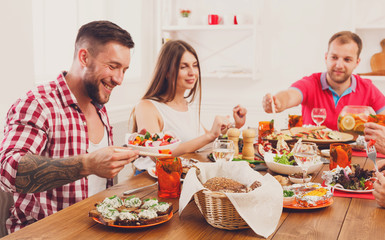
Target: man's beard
[339,79]
[93,91]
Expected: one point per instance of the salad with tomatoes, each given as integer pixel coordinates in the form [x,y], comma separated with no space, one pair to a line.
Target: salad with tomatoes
[152,140]
[360,179]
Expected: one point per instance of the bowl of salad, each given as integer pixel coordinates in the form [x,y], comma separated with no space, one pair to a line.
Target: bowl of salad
[154,143]
[285,164]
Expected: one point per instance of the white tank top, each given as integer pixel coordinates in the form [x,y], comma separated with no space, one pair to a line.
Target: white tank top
[95,183]
[185,125]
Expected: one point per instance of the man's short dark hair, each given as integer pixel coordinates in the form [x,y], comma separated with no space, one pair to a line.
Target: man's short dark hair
[102,32]
[344,37]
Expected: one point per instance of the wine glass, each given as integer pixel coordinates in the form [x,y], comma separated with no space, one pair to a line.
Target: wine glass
[305,154]
[318,115]
[223,150]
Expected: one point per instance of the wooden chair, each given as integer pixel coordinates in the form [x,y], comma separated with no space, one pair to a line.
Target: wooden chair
[6,201]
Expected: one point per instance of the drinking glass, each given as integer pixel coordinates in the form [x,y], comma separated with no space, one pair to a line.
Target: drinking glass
[340,155]
[223,150]
[169,171]
[264,129]
[318,115]
[305,154]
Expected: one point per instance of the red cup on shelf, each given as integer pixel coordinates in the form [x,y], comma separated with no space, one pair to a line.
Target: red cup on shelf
[214,19]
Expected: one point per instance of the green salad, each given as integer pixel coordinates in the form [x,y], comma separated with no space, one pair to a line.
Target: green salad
[285,158]
[288,193]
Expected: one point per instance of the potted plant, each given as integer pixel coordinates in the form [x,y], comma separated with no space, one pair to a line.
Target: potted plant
[184,16]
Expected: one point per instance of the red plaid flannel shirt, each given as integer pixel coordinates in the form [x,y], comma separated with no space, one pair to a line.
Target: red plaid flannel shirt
[47,122]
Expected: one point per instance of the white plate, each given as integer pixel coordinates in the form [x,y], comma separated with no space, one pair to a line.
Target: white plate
[151,171]
[299,180]
[325,152]
[342,189]
[171,147]
[288,169]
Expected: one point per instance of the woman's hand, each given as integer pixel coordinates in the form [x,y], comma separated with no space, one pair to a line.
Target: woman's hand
[239,114]
[376,132]
[220,124]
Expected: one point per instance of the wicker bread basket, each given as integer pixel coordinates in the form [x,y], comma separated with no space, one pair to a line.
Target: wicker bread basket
[218,210]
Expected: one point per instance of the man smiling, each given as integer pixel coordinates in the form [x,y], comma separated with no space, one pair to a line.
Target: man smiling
[58,148]
[333,89]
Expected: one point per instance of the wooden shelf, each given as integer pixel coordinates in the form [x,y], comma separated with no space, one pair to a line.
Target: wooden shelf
[370,28]
[375,78]
[171,28]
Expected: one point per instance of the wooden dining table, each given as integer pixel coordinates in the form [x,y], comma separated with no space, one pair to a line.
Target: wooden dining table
[346,218]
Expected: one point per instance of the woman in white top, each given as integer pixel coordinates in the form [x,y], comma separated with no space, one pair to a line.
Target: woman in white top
[174,86]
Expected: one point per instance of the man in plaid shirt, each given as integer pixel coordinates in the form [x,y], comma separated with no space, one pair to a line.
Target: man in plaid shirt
[46,152]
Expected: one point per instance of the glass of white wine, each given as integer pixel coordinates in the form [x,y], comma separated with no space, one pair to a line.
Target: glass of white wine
[318,115]
[223,150]
[305,155]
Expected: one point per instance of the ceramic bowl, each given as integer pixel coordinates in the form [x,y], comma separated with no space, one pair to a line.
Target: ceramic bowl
[288,169]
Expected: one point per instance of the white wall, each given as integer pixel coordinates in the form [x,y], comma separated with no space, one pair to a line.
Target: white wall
[294,41]
[16,61]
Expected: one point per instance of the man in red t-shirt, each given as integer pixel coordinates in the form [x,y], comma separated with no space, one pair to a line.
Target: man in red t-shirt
[333,89]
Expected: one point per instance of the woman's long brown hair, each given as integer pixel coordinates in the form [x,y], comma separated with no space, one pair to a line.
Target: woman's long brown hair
[162,87]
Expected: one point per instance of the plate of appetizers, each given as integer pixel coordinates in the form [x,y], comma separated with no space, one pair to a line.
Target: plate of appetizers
[138,226]
[295,205]
[131,212]
[307,196]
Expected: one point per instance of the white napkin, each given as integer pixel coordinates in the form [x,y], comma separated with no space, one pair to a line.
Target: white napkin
[261,209]
[144,163]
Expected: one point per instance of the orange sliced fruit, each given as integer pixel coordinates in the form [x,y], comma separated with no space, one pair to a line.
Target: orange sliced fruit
[348,122]
[342,156]
[359,127]
[364,117]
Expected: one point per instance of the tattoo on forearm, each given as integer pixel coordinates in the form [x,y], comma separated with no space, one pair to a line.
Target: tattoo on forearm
[37,174]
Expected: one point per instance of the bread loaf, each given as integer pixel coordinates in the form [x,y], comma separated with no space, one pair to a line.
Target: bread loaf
[227,185]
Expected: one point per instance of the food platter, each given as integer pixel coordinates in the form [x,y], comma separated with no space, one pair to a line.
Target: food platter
[344,137]
[138,226]
[296,205]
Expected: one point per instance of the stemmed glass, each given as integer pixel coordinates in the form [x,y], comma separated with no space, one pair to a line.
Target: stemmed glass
[223,150]
[305,154]
[318,115]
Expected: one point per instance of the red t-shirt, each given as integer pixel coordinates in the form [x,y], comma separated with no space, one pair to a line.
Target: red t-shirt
[316,93]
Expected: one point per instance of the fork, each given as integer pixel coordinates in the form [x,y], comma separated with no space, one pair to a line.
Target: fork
[372,154]
[276,128]
[139,188]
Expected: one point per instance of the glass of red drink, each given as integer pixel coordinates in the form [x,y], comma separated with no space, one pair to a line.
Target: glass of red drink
[169,171]
[340,154]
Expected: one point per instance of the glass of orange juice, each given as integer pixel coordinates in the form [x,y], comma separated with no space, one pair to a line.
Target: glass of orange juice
[265,128]
[169,171]
[340,155]
[295,121]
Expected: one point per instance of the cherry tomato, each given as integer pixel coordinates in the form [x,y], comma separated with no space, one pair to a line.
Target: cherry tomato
[368,185]
[371,142]
[164,143]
